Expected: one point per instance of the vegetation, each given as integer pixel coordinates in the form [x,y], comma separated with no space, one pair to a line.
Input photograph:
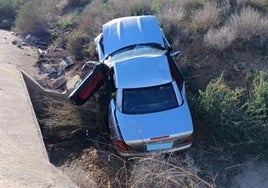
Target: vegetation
[223,37]
[234,120]
[8,11]
[35,17]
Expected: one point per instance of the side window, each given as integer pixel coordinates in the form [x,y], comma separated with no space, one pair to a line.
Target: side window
[175,73]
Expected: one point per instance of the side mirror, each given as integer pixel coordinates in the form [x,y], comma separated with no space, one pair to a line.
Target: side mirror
[176,54]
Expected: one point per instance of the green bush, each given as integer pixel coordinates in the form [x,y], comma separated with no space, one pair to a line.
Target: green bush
[219,106]
[258,105]
[257,111]
[234,121]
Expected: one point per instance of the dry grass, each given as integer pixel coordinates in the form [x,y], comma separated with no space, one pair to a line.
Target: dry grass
[260,3]
[92,18]
[206,17]
[78,44]
[31,19]
[157,170]
[171,171]
[171,16]
[244,25]
[249,23]
[220,39]
[76,3]
[130,8]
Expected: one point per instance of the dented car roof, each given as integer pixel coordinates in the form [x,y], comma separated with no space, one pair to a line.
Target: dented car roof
[127,31]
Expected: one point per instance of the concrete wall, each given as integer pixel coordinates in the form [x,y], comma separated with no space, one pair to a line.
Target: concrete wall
[23,158]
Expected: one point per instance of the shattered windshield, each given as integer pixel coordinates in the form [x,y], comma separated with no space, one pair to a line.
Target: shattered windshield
[136,51]
[149,99]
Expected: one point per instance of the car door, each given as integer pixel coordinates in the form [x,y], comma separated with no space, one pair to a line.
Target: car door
[90,84]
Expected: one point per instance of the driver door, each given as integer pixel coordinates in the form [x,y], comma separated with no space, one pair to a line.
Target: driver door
[90,84]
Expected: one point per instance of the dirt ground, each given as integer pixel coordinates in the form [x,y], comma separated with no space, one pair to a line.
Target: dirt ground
[23,57]
[252,174]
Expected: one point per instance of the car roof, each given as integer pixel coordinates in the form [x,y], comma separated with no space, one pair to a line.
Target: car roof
[142,71]
[127,31]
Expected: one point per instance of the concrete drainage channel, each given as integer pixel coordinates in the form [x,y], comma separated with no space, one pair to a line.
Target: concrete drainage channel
[63,128]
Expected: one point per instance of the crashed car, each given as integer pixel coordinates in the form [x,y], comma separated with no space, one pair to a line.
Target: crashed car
[148,109]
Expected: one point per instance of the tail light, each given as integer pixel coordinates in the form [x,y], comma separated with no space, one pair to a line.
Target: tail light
[189,139]
[122,146]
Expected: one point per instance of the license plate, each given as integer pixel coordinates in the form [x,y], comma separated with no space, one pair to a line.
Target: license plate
[159,146]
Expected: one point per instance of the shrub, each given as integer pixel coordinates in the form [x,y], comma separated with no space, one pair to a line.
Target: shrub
[245,25]
[92,18]
[257,107]
[8,8]
[206,17]
[76,3]
[234,121]
[219,105]
[220,39]
[8,11]
[257,111]
[77,44]
[31,19]
[140,7]
[5,24]
[129,8]
[171,16]
[249,23]
[261,3]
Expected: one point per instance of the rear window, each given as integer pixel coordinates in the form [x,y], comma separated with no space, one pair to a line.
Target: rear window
[136,51]
[149,99]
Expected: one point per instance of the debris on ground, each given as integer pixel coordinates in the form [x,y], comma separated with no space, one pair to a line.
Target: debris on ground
[68,62]
[54,65]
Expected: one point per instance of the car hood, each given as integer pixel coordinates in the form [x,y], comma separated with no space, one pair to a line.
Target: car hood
[127,31]
[174,122]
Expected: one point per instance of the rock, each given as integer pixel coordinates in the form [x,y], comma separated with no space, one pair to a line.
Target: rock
[48,69]
[14,42]
[73,82]
[63,64]
[56,74]
[59,82]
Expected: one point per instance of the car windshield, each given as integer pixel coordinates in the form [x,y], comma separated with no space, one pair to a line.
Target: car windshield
[136,51]
[149,100]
